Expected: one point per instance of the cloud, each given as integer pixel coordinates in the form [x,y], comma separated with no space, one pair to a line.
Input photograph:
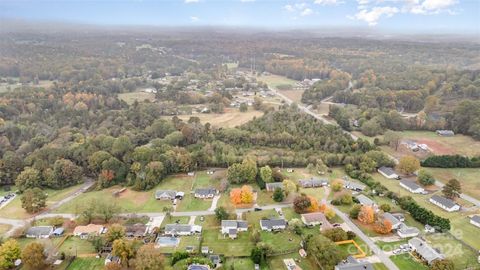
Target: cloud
[372,16]
[194,18]
[306,12]
[191,1]
[429,6]
[289,8]
[327,2]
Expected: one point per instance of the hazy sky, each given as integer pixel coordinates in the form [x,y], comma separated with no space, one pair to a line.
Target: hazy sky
[452,16]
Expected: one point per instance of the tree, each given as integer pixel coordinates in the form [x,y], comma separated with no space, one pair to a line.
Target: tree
[65,174]
[314,206]
[337,185]
[355,211]
[149,258]
[33,256]
[366,215]
[385,207]
[444,264]
[124,250]
[452,189]
[116,231]
[221,213]
[393,139]
[324,251]
[289,187]
[329,213]
[107,209]
[335,234]
[243,195]
[9,253]
[278,195]
[113,266]
[408,164]
[243,107]
[33,200]
[383,226]
[425,178]
[242,172]
[301,204]
[266,174]
[260,252]
[28,178]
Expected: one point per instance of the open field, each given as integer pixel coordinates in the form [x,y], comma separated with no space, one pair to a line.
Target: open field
[214,240]
[232,117]
[240,264]
[458,144]
[273,81]
[468,177]
[75,246]
[277,262]
[14,208]
[140,96]
[87,264]
[295,95]
[190,203]
[461,255]
[406,261]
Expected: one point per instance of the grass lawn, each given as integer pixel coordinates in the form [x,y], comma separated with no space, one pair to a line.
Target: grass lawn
[453,250]
[181,220]
[189,241]
[231,117]
[74,245]
[140,96]
[264,197]
[240,264]
[190,203]
[254,218]
[87,264]
[379,266]
[214,240]
[406,261]
[304,263]
[203,180]
[14,208]
[468,177]
[281,241]
[130,200]
[274,81]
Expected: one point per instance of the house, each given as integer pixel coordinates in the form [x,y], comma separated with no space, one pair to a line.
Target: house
[405,231]
[317,218]
[399,216]
[444,132]
[395,222]
[137,230]
[475,220]
[388,172]
[444,203]
[429,229]
[313,183]
[216,260]
[39,232]
[165,195]
[58,231]
[411,186]
[274,224]
[353,264]
[154,222]
[354,186]
[424,251]
[112,259]
[205,193]
[291,264]
[210,171]
[232,227]
[198,267]
[182,229]
[364,200]
[272,186]
[205,250]
[90,230]
[191,173]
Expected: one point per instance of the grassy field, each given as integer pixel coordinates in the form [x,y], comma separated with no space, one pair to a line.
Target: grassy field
[406,261]
[274,81]
[379,266]
[214,240]
[277,262]
[232,117]
[240,264]
[453,250]
[468,177]
[190,203]
[281,241]
[87,264]
[140,96]
[76,246]
[14,208]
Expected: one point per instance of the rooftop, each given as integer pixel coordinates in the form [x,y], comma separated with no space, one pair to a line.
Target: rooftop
[425,250]
[387,170]
[443,201]
[410,184]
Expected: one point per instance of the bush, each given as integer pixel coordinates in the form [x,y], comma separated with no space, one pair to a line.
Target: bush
[385,207]
[336,234]
[425,178]
[351,235]
[355,211]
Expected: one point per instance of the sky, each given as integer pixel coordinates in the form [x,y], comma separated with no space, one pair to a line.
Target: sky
[410,16]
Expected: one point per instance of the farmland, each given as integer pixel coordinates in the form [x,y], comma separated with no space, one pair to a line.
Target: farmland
[468,177]
[232,117]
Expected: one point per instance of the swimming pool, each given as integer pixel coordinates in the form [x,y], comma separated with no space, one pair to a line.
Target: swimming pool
[164,241]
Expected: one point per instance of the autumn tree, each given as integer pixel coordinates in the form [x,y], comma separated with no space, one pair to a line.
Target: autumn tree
[366,215]
[408,165]
[301,204]
[243,172]
[314,206]
[33,200]
[329,213]
[124,250]
[243,195]
[116,231]
[452,189]
[149,258]
[9,253]
[289,187]
[337,185]
[444,264]
[383,226]
[33,256]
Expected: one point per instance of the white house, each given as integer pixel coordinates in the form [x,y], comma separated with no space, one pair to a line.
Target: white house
[475,220]
[388,172]
[182,229]
[165,194]
[425,251]
[405,231]
[232,227]
[411,186]
[272,186]
[112,259]
[365,201]
[444,203]
[276,224]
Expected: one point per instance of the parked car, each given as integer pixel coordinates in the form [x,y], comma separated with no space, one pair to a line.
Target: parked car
[257,209]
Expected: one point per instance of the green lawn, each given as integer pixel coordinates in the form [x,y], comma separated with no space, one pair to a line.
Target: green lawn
[274,81]
[379,266]
[203,180]
[406,261]
[281,241]
[304,263]
[190,203]
[453,250]
[76,246]
[170,220]
[87,264]
[468,177]
[240,264]
[241,246]
[254,218]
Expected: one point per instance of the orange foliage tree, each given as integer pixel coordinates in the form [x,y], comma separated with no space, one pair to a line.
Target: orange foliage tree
[383,226]
[366,215]
[241,195]
[314,207]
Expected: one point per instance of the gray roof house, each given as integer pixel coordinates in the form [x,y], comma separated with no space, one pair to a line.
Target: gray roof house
[445,132]
[354,186]
[395,222]
[165,194]
[475,220]
[405,231]
[112,259]
[39,232]
[216,260]
[353,264]
[313,182]
[425,251]
[205,193]
[274,224]
[316,218]
[182,229]
[388,172]
[444,203]
[232,227]
[273,186]
[364,200]
[411,186]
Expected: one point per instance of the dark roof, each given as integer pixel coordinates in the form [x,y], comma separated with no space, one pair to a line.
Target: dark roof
[387,170]
[352,264]
[410,184]
[364,200]
[476,219]
[178,227]
[165,193]
[40,230]
[391,218]
[235,223]
[426,251]
[270,223]
[214,258]
[135,229]
[205,191]
[444,201]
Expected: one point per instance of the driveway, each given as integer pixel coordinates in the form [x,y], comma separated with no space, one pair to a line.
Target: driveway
[214,203]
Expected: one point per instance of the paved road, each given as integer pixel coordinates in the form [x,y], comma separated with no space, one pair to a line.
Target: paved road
[375,249]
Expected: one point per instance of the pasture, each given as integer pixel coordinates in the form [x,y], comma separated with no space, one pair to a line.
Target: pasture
[232,117]
[468,177]
[139,96]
